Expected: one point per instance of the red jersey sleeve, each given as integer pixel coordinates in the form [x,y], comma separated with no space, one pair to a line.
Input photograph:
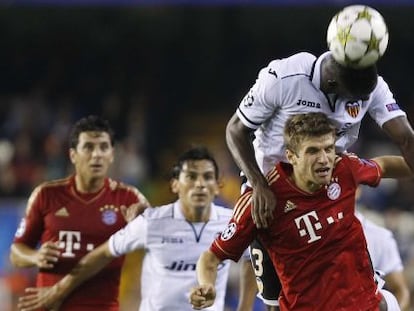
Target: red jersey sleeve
[366,172]
[32,225]
[238,234]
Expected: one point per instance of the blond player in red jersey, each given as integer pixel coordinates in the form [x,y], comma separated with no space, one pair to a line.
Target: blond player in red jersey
[72,216]
[315,242]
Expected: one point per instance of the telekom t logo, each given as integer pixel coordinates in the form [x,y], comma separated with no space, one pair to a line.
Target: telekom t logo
[308,224]
[71,241]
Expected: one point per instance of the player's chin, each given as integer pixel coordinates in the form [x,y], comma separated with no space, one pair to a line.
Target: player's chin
[323,180]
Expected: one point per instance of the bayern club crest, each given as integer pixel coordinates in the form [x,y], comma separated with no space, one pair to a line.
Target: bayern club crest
[109,214]
[333,191]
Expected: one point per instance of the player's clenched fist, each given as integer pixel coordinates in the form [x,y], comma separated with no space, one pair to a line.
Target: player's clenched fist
[202,296]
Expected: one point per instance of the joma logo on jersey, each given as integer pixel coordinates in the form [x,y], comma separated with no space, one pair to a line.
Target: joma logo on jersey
[181,265]
[309,224]
[172,240]
[307,103]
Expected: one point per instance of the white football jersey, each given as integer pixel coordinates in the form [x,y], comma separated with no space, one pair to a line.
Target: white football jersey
[291,86]
[173,246]
[382,246]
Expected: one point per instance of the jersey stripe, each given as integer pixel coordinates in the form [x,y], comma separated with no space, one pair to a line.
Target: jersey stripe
[273,176]
[241,206]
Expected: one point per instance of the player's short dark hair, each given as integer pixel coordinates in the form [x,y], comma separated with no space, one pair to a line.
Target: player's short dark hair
[194,154]
[90,123]
[357,81]
[301,126]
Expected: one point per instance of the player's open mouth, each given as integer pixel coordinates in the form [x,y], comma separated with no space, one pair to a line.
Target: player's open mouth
[96,166]
[322,172]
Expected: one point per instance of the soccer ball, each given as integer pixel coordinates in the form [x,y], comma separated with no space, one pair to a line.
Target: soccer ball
[357,36]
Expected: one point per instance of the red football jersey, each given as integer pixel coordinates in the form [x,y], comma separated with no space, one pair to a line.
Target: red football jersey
[80,222]
[316,243]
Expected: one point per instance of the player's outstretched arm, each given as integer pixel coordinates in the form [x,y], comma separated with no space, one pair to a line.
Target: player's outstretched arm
[393,167]
[52,297]
[239,142]
[401,132]
[203,295]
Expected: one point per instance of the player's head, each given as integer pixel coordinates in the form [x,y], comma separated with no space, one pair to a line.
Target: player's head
[351,83]
[91,147]
[90,123]
[195,178]
[310,148]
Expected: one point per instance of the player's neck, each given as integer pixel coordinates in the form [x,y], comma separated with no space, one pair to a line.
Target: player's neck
[305,185]
[194,214]
[85,185]
[328,81]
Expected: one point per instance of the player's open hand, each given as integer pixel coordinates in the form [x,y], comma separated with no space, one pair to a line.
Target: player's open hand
[47,255]
[40,297]
[202,296]
[131,212]
[263,205]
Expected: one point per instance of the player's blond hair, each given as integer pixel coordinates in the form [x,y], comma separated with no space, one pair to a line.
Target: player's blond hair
[301,126]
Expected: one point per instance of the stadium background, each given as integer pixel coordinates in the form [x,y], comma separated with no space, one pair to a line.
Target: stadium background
[166,75]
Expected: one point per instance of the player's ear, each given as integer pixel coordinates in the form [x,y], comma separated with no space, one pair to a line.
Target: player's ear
[72,155]
[174,185]
[290,156]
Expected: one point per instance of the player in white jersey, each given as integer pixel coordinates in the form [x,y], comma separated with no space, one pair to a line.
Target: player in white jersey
[299,84]
[173,235]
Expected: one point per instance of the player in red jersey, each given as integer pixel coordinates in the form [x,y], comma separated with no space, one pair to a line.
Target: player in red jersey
[315,242]
[72,216]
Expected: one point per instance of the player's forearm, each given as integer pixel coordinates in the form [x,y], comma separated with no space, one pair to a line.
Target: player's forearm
[394,167]
[407,150]
[241,148]
[22,256]
[207,268]
[86,268]
[397,284]
[247,286]
[401,132]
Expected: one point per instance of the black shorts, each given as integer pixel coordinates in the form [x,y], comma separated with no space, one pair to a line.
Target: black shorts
[267,280]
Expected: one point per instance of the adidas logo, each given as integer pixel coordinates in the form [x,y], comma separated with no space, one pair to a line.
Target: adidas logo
[289,206]
[62,212]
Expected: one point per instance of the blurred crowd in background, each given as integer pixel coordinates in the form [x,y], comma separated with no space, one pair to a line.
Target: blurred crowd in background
[165,78]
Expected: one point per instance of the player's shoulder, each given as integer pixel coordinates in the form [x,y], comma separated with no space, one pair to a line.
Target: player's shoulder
[159,212]
[47,189]
[222,211]
[116,185]
[297,64]
[52,185]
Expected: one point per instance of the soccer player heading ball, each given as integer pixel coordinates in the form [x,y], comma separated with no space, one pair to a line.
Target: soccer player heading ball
[357,36]
[340,83]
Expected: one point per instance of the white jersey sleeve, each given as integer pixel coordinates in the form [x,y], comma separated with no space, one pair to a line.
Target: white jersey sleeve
[266,94]
[383,105]
[131,237]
